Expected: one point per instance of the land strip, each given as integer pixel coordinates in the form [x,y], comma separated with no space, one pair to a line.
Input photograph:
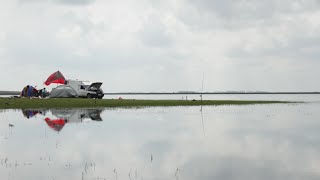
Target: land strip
[25,103]
[15,93]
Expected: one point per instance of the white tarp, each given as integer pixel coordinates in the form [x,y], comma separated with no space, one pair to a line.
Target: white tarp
[63,91]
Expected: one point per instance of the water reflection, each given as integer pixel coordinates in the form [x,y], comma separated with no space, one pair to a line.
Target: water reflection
[232,142]
[31,113]
[78,115]
[57,118]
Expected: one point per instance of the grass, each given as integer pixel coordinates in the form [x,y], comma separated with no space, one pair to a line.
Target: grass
[25,103]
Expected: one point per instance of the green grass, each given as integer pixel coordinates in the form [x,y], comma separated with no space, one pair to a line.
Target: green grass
[25,103]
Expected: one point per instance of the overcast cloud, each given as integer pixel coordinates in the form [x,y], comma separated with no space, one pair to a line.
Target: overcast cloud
[162,45]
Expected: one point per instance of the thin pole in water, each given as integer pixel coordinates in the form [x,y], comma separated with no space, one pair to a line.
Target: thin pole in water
[201,106]
[202,89]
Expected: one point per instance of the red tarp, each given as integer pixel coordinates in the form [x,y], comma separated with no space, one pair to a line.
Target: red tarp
[56,77]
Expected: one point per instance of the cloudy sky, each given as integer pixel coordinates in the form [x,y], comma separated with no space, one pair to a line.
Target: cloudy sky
[162,45]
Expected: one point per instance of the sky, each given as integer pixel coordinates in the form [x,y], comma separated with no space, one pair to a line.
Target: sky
[162,45]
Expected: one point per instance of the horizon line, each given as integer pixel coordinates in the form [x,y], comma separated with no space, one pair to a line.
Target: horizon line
[190,92]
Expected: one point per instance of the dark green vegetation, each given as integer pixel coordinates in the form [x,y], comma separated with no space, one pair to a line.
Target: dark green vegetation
[24,103]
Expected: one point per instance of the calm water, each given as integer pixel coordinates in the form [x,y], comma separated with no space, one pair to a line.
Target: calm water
[276,141]
[283,97]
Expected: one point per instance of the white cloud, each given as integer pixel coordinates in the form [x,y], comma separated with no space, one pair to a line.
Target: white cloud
[64,2]
[171,42]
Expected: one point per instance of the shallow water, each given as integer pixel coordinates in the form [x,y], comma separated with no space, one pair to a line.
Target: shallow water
[275,141]
[281,97]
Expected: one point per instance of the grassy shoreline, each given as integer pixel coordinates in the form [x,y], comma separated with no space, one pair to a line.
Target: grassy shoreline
[24,103]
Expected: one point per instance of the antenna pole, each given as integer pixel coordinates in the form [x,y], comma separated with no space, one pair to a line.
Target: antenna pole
[202,87]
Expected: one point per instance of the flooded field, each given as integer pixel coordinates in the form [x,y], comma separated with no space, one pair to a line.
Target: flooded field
[272,97]
[276,141]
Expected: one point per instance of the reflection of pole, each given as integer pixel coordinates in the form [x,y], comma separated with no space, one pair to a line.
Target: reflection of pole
[204,134]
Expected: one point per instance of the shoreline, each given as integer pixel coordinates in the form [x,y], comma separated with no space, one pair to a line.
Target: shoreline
[34,103]
[17,93]
[9,93]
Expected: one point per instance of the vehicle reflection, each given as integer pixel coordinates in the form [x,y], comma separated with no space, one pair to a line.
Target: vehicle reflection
[77,115]
[57,118]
